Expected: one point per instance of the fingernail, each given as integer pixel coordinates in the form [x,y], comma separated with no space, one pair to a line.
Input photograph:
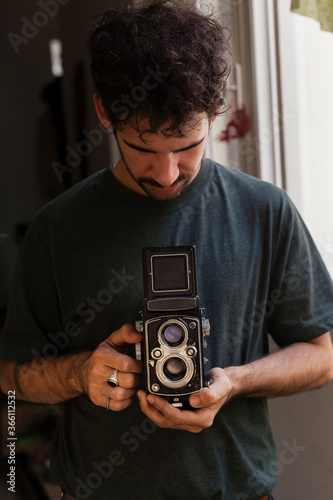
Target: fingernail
[151,399]
[134,334]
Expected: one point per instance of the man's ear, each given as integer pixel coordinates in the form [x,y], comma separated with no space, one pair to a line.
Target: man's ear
[213,119]
[210,122]
[101,113]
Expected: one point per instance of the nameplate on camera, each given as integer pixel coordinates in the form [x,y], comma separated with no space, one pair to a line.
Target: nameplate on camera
[171,304]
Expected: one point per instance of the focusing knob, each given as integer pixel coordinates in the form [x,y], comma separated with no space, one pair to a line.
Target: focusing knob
[139,326]
[138,351]
[206,327]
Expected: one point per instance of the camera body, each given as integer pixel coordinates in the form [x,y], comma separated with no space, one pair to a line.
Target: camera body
[173,328]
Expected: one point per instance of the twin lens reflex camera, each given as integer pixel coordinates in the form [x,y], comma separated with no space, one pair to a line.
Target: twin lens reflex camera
[172,325]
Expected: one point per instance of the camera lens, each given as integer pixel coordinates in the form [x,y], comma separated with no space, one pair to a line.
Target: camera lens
[173,334]
[174,369]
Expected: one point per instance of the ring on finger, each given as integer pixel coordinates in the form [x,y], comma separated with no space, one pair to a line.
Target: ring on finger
[113,379]
[107,403]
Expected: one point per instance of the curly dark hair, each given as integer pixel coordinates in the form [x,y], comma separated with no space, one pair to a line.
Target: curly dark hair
[163,61]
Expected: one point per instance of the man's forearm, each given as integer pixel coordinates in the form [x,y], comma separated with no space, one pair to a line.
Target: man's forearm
[300,367]
[45,381]
[55,380]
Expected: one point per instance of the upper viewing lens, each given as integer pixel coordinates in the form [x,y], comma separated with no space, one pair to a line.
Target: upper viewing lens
[173,334]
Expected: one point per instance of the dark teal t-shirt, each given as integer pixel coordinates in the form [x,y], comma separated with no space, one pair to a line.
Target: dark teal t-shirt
[79,277]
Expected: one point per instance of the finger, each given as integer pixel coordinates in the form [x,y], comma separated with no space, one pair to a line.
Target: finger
[119,405]
[165,415]
[175,415]
[117,402]
[128,380]
[216,393]
[114,360]
[121,394]
[149,410]
[127,334]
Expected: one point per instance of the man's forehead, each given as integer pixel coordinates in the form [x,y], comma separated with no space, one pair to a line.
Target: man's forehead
[141,129]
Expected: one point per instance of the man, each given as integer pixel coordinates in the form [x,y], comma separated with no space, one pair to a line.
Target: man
[159,73]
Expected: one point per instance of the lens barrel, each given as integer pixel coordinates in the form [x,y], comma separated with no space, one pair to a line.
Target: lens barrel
[175,369]
[173,335]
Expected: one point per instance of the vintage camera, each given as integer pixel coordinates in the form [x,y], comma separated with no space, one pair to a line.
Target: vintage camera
[173,328]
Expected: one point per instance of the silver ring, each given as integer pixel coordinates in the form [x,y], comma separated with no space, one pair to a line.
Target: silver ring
[107,403]
[113,379]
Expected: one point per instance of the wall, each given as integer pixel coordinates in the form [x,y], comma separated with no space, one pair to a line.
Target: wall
[302,427]
[318,113]
[306,80]
[27,179]
[23,76]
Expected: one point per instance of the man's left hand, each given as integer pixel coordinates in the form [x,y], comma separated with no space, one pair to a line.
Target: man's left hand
[207,403]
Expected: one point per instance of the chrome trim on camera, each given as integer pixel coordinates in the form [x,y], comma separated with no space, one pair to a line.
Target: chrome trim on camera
[175,384]
[172,321]
[192,362]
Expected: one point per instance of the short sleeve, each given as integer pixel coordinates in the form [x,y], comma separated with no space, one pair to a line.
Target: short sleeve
[33,311]
[301,290]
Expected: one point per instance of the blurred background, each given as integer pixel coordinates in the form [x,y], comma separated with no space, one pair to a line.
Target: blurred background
[278,127]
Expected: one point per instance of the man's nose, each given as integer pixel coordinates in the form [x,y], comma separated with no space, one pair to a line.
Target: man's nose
[166,170]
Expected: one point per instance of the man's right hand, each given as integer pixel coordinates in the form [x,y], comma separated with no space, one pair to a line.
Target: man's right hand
[111,355]
[55,380]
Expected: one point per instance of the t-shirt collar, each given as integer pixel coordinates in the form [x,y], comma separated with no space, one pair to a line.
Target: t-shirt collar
[129,197]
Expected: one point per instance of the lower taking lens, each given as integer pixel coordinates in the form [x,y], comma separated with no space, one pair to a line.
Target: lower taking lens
[175,369]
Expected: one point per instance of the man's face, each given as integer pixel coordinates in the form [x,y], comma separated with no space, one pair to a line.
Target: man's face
[157,166]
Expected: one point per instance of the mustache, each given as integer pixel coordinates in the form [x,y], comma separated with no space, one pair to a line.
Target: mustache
[151,182]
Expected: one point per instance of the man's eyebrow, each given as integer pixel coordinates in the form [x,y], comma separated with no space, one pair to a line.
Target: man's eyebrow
[139,148]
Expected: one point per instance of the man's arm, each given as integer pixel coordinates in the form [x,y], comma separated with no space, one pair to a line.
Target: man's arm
[55,380]
[299,367]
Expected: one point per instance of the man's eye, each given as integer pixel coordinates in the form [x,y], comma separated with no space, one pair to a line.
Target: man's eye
[142,151]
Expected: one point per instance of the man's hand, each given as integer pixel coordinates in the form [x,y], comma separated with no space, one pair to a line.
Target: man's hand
[300,367]
[207,403]
[107,357]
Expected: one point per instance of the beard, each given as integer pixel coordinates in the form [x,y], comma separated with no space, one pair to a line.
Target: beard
[151,187]
[177,187]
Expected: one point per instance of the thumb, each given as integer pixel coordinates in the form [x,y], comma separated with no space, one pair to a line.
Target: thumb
[126,334]
[216,392]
